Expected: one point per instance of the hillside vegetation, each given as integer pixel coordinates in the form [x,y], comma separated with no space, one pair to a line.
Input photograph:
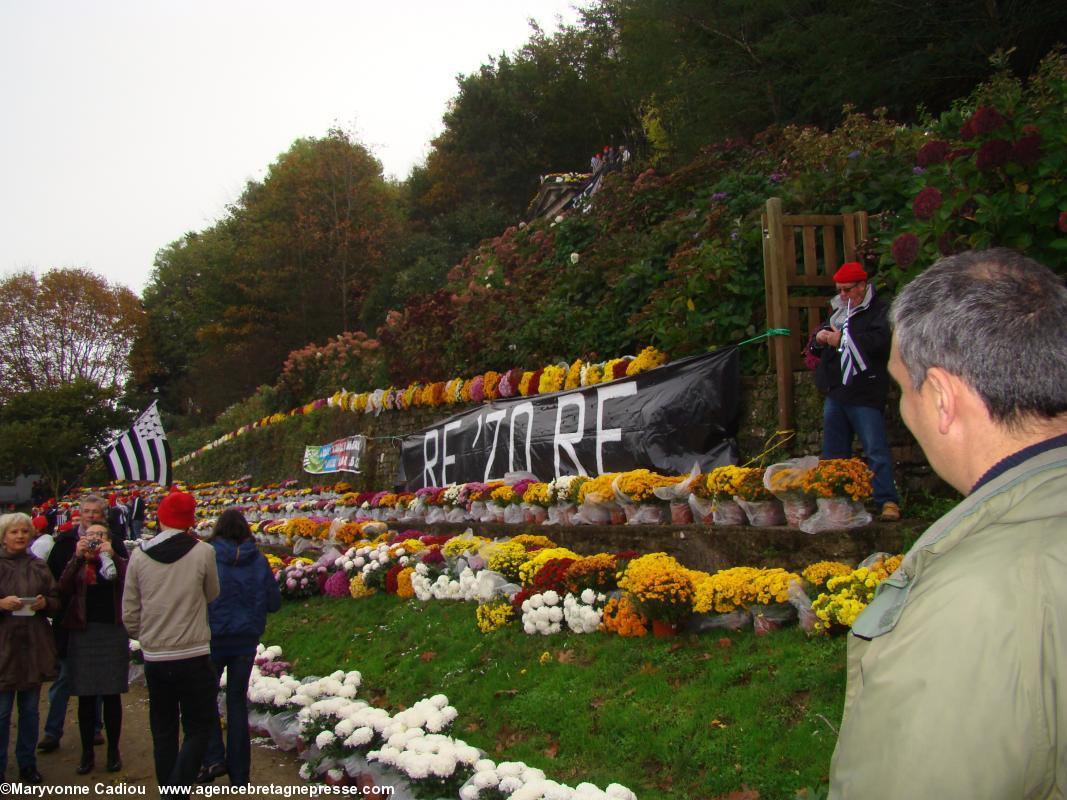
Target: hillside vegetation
[324,275]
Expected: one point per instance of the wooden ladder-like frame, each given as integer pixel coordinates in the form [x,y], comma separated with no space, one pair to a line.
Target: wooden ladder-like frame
[826,241]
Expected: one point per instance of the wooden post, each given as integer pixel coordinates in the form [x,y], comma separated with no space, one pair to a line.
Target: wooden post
[778,309]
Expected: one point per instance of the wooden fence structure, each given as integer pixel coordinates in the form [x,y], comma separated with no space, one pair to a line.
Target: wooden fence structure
[800,255]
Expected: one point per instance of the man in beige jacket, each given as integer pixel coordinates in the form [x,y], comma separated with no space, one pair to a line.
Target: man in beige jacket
[170,580]
[957,671]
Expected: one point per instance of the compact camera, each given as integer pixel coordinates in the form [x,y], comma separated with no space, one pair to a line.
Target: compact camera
[94,546]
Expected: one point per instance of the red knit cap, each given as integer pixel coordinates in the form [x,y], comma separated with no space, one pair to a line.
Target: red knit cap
[177,511]
[850,273]
[39,522]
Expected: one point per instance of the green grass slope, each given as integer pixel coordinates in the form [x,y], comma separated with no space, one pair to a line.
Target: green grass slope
[690,717]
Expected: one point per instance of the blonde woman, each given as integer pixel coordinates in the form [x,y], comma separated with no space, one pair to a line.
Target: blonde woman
[27,649]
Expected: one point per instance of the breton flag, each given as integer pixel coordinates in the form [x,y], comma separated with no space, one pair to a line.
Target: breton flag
[142,453]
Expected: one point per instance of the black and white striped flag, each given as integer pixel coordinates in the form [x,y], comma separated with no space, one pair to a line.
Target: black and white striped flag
[852,361]
[142,453]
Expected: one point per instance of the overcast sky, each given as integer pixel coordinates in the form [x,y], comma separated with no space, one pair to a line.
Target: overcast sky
[127,123]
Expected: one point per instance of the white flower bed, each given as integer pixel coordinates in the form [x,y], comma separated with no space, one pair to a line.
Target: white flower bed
[412,746]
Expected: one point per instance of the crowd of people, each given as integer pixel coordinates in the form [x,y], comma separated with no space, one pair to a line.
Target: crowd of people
[956,668]
[73,593]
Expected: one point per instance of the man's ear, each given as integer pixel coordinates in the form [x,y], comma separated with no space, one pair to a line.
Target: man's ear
[944,395]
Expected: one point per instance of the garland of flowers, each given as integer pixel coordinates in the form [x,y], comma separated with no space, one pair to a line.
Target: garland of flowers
[482,388]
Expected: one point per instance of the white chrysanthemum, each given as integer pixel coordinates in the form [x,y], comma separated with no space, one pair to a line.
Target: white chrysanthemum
[442,765]
[325,739]
[620,792]
[305,771]
[588,597]
[438,701]
[509,785]
[360,737]
[550,597]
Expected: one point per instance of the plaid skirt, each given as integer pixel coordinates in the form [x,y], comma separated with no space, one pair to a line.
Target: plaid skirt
[98,660]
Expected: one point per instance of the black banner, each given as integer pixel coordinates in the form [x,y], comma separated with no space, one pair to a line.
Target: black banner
[664,420]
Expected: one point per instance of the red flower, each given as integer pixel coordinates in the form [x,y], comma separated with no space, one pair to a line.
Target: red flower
[962,152]
[519,598]
[931,153]
[390,578]
[905,249]
[433,556]
[535,382]
[553,575]
[619,369]
[1061,223]
[1027,150]
[993,154]
[926,203]
[967,131]
[987,120]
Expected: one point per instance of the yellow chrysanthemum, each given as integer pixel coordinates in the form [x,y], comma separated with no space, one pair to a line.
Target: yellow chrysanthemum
[492,616]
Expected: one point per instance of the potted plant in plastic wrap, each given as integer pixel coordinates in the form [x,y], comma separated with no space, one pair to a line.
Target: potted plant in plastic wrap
[722,483]
[840,486]
[787,482]
[635,492]
[761,507]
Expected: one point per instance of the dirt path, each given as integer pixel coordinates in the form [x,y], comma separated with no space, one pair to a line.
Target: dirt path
[269,765]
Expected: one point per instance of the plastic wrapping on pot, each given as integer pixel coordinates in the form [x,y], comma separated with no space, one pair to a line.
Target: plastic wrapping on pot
[835,514]
[728,512]
[732,621]
[762,513]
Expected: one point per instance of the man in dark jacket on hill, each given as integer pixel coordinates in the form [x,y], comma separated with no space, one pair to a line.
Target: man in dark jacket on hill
[238,616]
[853,372]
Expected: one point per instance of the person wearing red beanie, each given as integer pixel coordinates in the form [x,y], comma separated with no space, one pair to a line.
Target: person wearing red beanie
[170,580]
[853,372]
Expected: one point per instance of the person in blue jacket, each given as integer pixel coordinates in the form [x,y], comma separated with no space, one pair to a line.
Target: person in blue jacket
[247,593]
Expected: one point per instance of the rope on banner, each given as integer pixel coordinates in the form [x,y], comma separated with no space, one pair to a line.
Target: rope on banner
[767,334]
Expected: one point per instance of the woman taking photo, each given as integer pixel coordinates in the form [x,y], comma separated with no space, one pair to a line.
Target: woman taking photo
[98,650]
[247,593]
[27,648]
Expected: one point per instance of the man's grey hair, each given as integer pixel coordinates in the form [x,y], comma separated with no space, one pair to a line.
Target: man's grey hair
[92,500]
[996,319]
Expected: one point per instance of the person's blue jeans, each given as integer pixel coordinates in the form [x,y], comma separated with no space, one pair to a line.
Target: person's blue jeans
[26,739]
[181,695]
[59,699]
[842,421]
[237,754]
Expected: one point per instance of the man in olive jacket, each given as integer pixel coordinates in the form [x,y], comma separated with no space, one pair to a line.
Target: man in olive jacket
[957,671]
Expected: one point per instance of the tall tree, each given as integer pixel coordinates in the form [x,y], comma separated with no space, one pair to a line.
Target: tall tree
[70,324]
[57,431]
[545,108]
[293,262]
[707,70]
